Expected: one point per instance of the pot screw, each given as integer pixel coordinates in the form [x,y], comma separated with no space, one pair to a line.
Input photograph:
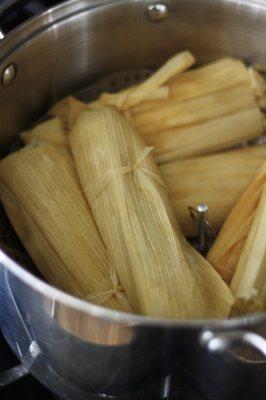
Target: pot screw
[202,210]
[157,12]
[9,74]
[205,234]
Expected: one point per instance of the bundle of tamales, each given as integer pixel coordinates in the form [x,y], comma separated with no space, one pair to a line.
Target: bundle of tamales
[161,273]
[108,233]
[217,180]
[201,111]
[42,197]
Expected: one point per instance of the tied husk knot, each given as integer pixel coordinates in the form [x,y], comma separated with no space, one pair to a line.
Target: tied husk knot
[141,173]
[106,295]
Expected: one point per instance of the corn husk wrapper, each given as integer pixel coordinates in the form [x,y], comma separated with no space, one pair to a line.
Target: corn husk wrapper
[43,200]
[217,180]
[198,110]
[249,281]
[51,131]
[227,248]
[131,95]
[161,274]
[67,110]
[208,137]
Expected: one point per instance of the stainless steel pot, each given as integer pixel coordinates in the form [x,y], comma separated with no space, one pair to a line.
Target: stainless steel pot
[77,349]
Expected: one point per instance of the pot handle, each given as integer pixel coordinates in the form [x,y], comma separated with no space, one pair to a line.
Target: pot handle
[218,342]
[20,371]
[12,375]
[5,6]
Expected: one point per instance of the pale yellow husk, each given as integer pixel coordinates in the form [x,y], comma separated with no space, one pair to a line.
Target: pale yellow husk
[67,109]
[44,202]
[208,137]
[249,281]
[160,272]
[194,111]
[51,131]
[217,180]
[121,99]
[227,248]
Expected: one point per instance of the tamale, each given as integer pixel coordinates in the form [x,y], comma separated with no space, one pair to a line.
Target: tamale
[44,202]
[67,110]
[225,253]
[51,131]
[217,180]
[194,111]
[249,281]
[162,275]
[208,137]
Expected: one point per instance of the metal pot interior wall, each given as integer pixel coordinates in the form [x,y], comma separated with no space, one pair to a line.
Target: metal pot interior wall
[73,47]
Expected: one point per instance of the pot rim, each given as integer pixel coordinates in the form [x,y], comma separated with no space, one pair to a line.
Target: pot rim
[15,39]
[107,314]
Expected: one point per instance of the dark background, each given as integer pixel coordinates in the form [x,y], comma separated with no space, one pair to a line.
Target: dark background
[22,11]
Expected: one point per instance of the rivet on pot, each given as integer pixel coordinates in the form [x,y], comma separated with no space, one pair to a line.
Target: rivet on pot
[157,12]
[9,75]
